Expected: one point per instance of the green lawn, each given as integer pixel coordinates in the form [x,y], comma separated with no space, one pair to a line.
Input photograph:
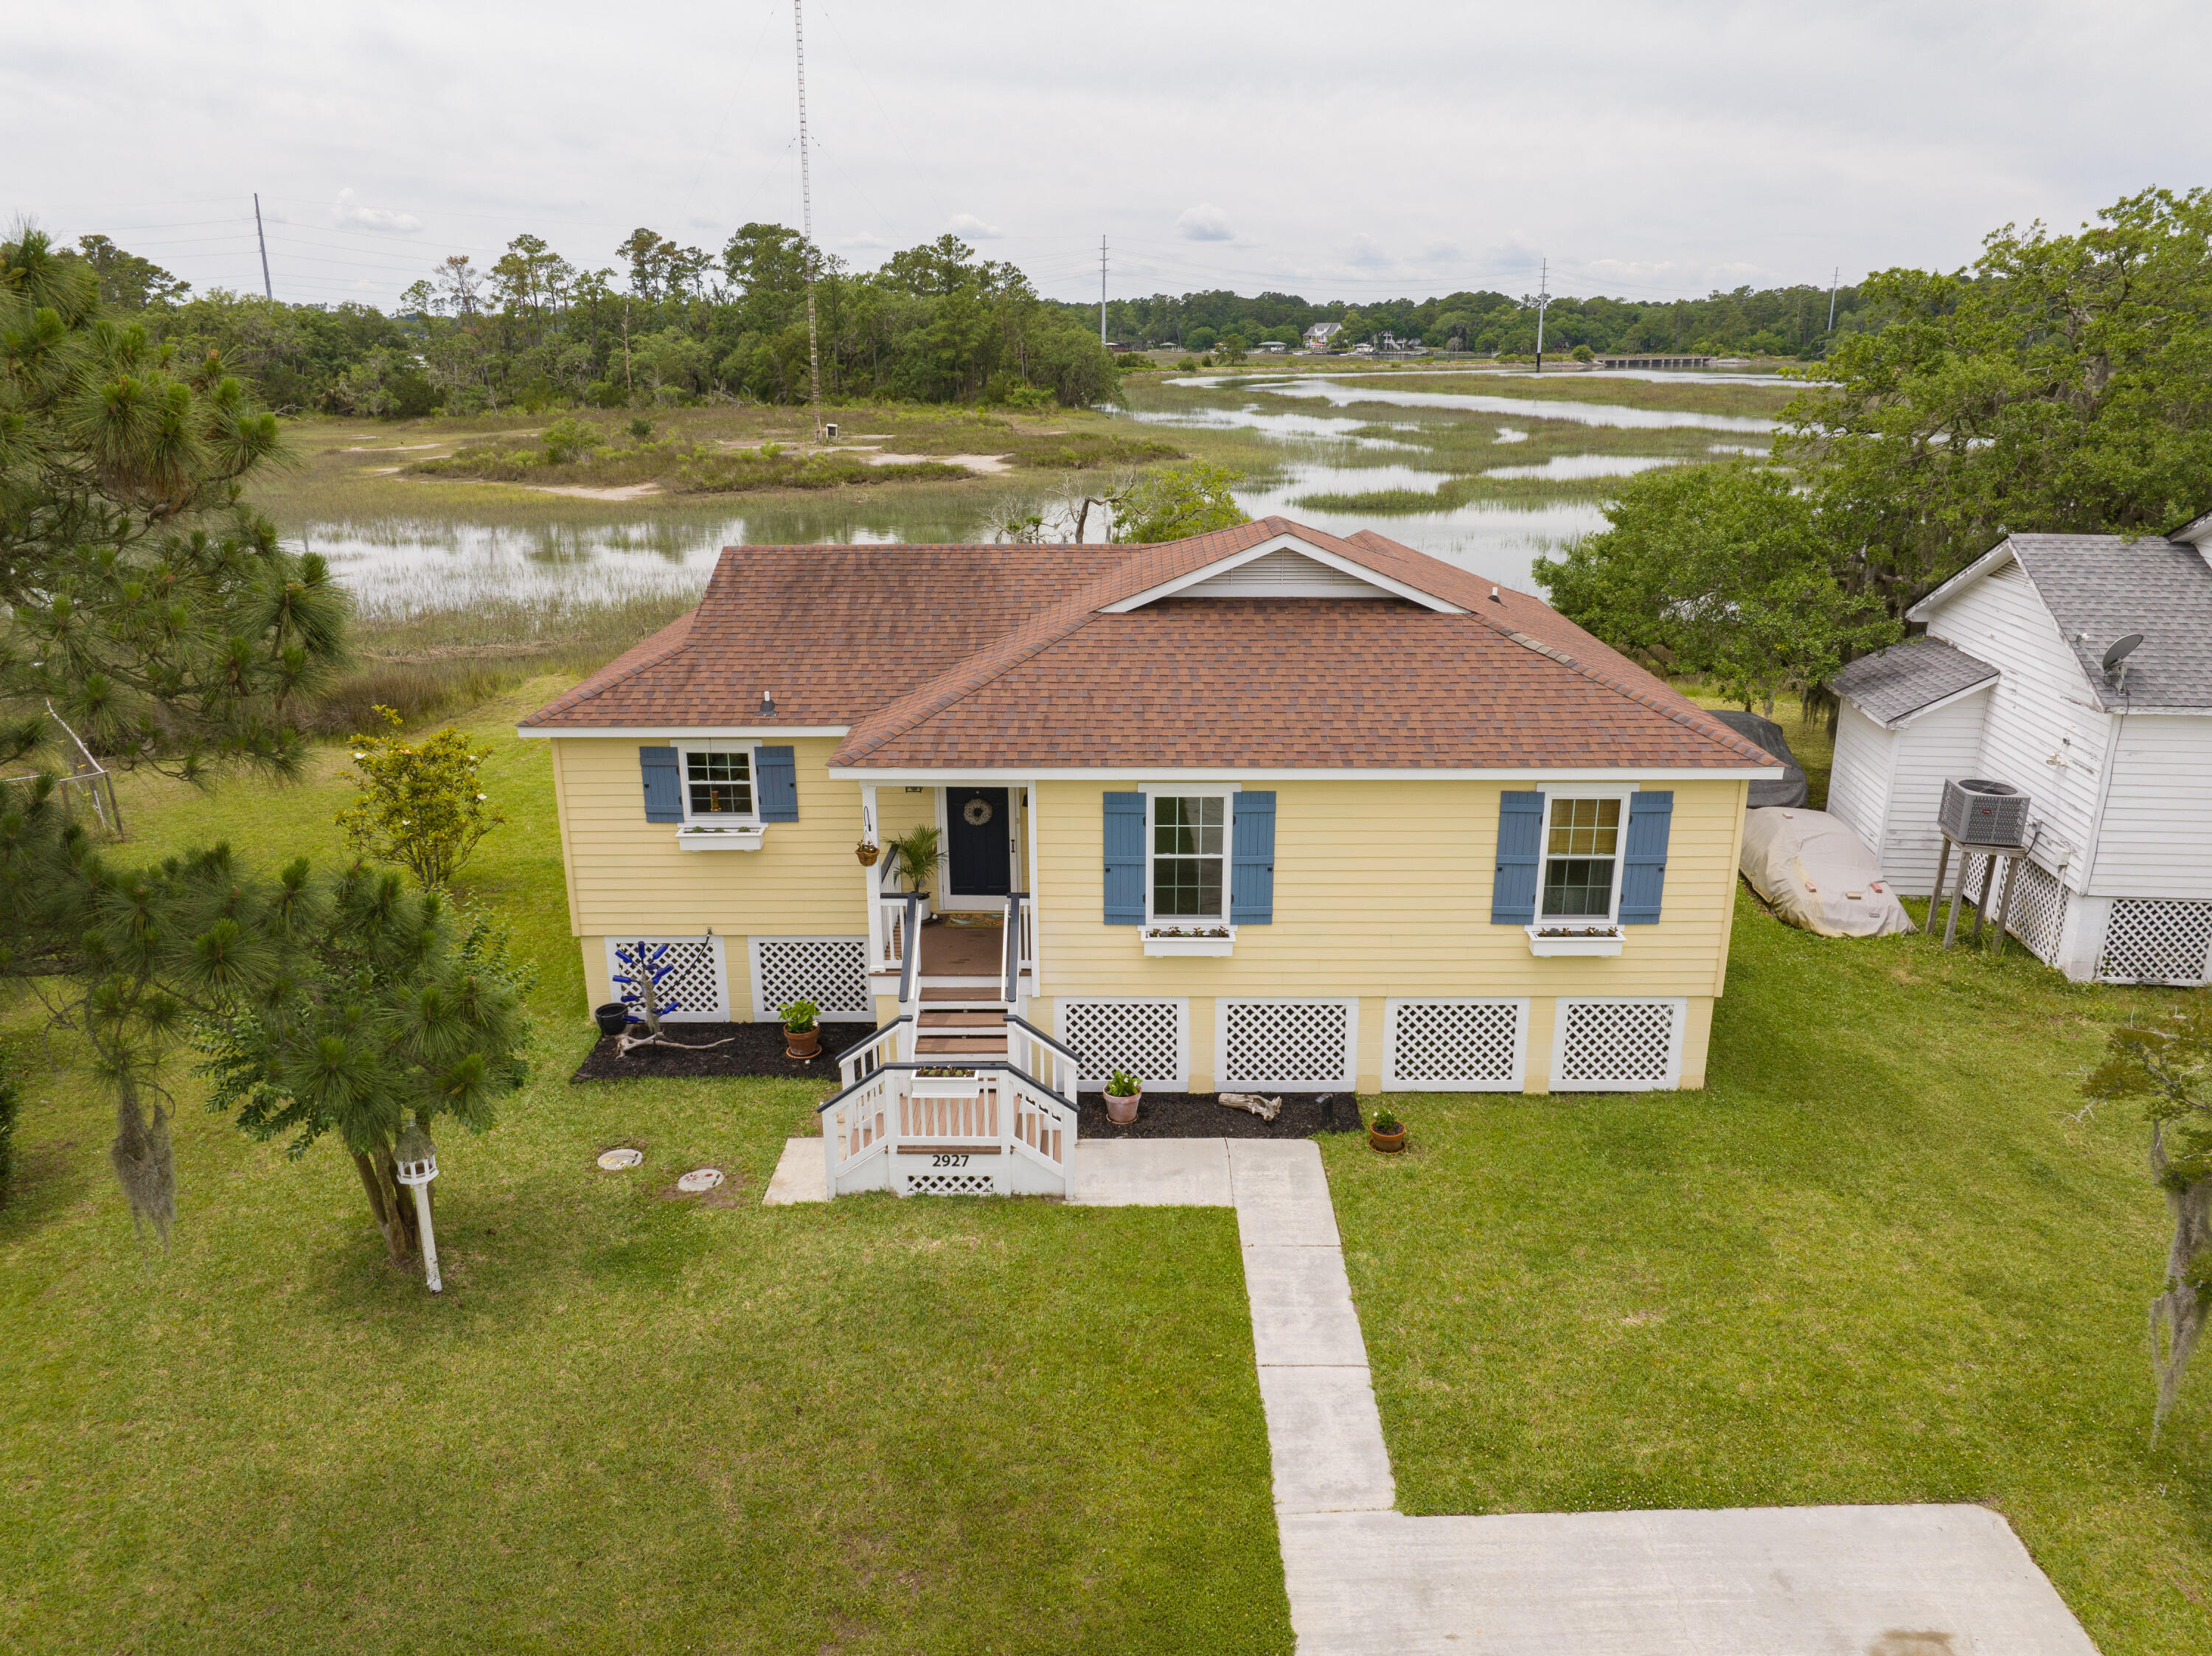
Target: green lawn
[632,1422]
[1878,1260]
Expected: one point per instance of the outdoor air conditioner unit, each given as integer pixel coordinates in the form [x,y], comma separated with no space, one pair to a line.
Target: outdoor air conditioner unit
[1976,811]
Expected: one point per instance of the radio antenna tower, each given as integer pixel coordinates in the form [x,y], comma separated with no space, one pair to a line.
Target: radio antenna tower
[806,220]
[1543,304]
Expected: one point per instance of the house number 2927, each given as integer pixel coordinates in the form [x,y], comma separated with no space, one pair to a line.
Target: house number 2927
[948,1161]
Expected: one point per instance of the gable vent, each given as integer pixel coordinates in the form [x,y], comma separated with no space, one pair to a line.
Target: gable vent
[1283,574]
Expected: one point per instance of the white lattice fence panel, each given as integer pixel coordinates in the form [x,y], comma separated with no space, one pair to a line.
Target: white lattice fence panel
[2156,940]
[1457,1046]
[2038,910]
[698,988]
[832,972]
[1286,1043]
[1150,1039]
[949,1184]
[1618,1046]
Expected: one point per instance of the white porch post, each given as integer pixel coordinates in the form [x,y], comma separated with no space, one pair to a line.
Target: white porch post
[1030,879]
[869,875]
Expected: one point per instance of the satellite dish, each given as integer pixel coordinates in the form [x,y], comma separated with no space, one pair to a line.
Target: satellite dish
[2121,650]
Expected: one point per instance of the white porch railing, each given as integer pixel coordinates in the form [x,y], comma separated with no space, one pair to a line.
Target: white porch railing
[980,1129]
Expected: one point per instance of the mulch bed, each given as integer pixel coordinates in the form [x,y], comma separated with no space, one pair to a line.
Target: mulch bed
[1195,1115]
[754,1049]
[757,1049]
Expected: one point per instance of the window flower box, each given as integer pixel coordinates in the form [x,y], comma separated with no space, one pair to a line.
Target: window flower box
[696,836]
[1193,938]
[1573,938]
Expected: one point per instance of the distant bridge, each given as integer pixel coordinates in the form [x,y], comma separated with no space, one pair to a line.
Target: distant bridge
[1655,361]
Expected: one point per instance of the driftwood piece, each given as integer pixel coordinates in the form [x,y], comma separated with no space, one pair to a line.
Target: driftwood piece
[624,1042]
[1266,1108]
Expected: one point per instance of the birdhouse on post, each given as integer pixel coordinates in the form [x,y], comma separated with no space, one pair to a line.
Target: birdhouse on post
[418,1165]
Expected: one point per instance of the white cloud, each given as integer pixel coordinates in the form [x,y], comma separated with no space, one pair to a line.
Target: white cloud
[1204,222]
[350,214]
[969,227]
[1893,142]
[1367,254]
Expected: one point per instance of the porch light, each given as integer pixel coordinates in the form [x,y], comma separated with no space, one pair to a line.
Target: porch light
[418,1165]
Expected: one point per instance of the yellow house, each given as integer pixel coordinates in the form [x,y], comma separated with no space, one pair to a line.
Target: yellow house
[1266,808]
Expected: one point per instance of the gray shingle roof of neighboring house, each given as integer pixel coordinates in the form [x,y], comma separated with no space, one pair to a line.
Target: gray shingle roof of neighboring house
[1899,682]
[2099,588]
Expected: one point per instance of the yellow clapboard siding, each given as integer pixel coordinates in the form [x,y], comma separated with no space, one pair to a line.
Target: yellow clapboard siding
[1384,889]
[626,875]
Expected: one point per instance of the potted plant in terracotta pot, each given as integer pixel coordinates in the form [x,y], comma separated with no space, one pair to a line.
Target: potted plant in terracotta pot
[1387,1133]
[802,1029]
[1124,1092]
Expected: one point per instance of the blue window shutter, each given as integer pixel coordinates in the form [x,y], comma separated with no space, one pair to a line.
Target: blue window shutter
[1643,864]
[1252,876]
[1125,859]
[776,773]
[1519,856]
[664,785]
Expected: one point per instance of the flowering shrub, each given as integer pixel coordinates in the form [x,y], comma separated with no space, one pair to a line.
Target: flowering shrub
[419,804]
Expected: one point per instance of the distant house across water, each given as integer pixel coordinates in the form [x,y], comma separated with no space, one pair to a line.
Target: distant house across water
[1322,337]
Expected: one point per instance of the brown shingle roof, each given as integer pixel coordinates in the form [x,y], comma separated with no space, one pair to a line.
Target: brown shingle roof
[1036,675]
[834,631]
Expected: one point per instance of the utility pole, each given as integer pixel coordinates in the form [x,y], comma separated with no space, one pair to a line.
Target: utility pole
[1543,304]
[1102,290]
[1834,282]
[806,219]
[267,292]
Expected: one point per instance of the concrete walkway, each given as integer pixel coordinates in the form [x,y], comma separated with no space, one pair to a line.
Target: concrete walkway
[1364,1580]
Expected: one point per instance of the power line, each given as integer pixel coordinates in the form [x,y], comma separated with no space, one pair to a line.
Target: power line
[806,216]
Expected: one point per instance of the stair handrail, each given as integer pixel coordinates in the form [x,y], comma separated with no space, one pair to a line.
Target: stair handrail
[911,949]
[1066,1062]
[876,1038]
[1013,951]
[948,1062]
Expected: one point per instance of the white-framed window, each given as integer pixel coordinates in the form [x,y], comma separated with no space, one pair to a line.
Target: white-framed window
[1186,854]
[720,781]
[1584,831]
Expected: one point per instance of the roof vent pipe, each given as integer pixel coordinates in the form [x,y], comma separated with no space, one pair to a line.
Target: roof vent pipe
[768,704]
[1494,598]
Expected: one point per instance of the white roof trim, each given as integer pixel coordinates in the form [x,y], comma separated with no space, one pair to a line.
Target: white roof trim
[1997,554]
[1396,589]
[1936,705]
[679,733]
[1614,773]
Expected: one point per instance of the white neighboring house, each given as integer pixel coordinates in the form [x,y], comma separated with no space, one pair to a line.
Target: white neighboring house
[1322,337]
[2009,684]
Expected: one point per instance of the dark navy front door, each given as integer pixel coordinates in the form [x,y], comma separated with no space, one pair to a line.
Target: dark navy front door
[979,841]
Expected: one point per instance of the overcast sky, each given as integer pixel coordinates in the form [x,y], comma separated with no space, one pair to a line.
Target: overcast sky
[1652,148]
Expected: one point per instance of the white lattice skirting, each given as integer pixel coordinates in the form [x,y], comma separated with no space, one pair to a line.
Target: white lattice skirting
[832,972]
[1609,1045]
[2038,910]
[2157,940]
[1150,1039]
[1455,1044]
[1303,1043]
[699,986]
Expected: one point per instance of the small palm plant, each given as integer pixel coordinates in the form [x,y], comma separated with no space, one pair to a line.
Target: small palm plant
[915,854]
